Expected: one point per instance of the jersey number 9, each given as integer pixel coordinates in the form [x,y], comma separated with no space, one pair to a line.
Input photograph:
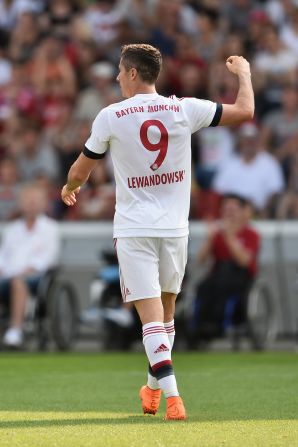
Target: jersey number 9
[161,145]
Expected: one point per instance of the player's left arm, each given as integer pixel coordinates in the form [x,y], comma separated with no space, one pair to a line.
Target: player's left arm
[77,176]
[243,108]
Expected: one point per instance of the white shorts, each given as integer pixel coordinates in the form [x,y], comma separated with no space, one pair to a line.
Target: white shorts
[150,265]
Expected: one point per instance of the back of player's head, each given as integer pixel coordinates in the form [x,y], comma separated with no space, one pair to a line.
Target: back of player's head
[146,59]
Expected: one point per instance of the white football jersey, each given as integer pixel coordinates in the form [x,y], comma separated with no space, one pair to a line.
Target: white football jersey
[149,137]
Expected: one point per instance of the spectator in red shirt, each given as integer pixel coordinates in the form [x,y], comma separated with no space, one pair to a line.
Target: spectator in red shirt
[233,246]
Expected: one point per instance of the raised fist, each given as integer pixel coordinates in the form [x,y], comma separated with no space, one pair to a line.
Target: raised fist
[238,65]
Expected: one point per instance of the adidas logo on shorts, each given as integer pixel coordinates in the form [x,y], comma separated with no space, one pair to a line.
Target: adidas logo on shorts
[162,348]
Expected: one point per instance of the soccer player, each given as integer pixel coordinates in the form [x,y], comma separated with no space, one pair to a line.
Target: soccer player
[149,137]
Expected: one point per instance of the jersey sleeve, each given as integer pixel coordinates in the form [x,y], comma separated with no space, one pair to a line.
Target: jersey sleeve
[201,113]
[98,142]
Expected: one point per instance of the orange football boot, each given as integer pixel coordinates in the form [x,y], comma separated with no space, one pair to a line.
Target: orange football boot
[150,399]
[175,409]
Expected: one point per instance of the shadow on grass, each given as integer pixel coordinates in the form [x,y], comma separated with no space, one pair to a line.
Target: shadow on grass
[36,423]
[148,420]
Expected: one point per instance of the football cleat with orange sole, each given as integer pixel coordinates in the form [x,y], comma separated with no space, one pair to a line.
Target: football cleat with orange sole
[150,399]
[175,409]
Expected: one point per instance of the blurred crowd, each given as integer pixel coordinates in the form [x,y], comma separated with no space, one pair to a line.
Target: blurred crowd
[58,67]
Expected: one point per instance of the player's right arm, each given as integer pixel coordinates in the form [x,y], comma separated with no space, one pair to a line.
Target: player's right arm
[95,148]
[243,109]
[77,176]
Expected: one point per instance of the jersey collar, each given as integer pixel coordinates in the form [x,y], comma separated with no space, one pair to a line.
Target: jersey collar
[146,95]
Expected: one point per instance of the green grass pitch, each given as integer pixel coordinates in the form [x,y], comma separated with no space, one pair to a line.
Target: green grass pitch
[71,400]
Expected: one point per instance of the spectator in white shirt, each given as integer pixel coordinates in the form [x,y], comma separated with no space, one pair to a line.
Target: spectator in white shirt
[254,173]
[216,147]
[30,246]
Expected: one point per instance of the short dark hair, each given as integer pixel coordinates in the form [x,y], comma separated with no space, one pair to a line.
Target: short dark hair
[146,59]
